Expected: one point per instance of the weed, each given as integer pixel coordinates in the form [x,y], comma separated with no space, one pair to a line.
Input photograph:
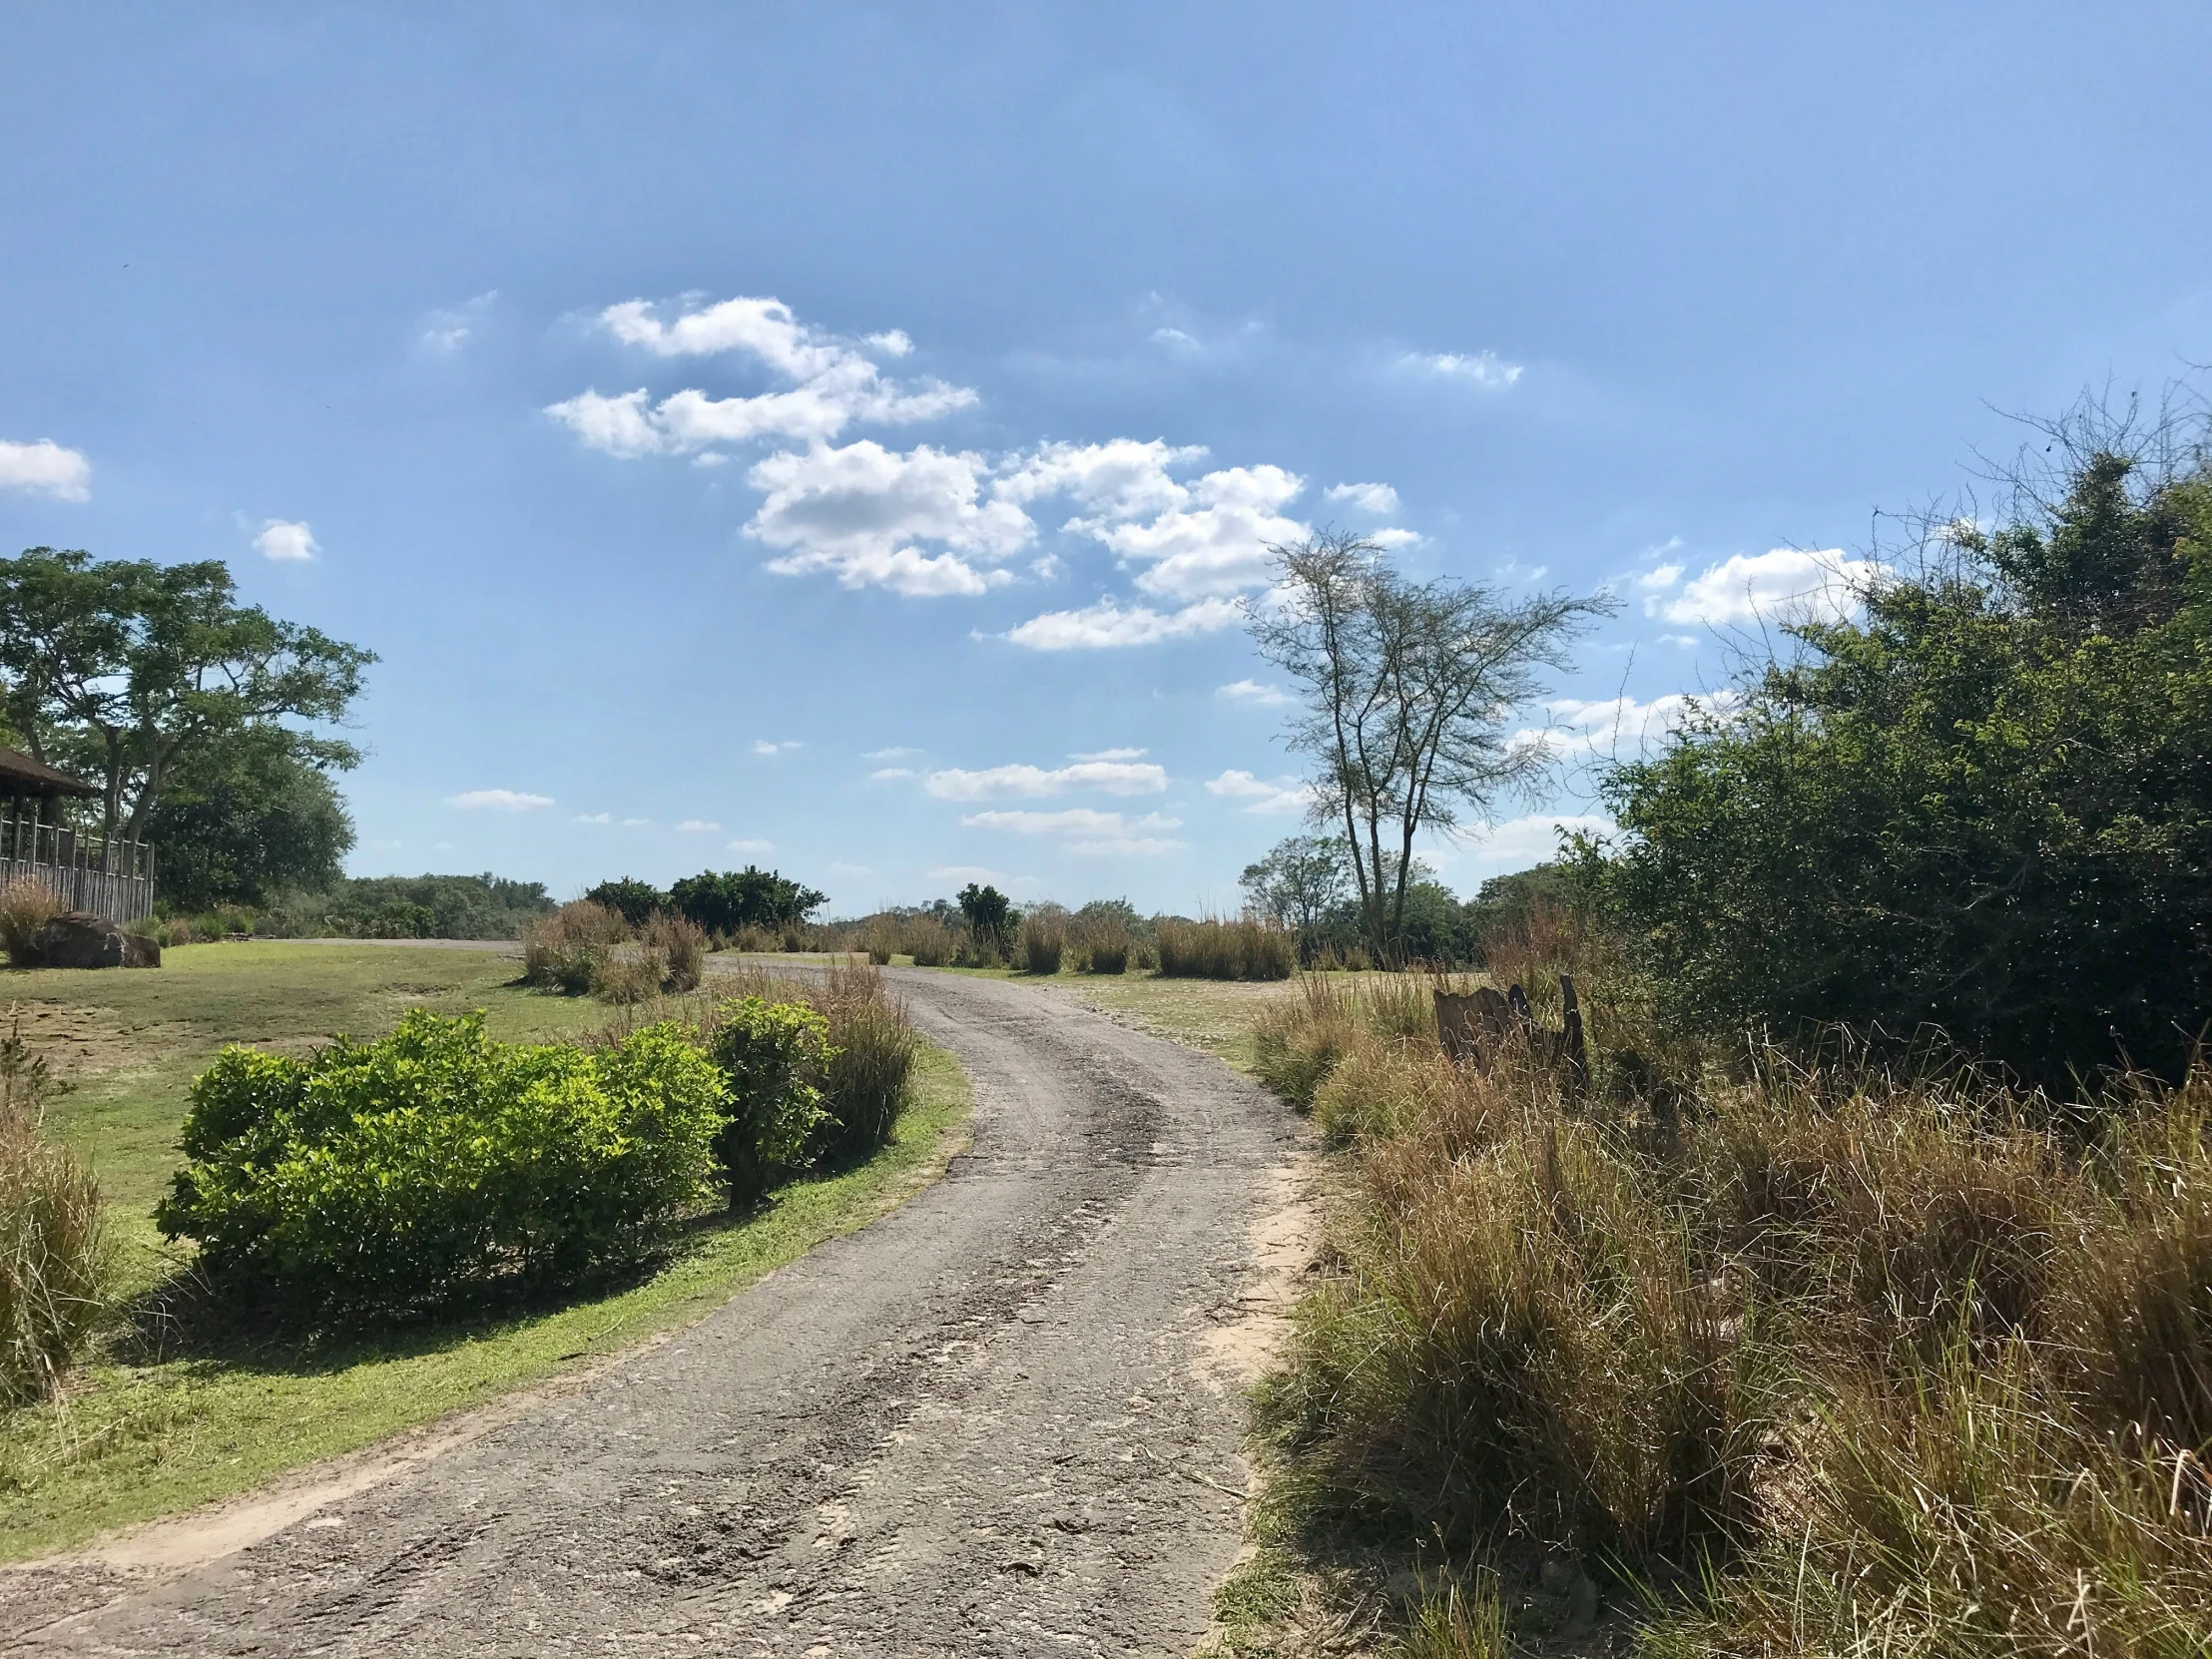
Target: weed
[26,906]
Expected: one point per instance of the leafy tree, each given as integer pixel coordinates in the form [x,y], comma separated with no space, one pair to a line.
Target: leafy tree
[750,898]
[1299,882]
[1987,806]
[989,913]
[1510,900]
[1410,689]
[245,818]
[134,670]
[634,901]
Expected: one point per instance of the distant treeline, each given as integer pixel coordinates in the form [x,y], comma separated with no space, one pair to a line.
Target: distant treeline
[485,906]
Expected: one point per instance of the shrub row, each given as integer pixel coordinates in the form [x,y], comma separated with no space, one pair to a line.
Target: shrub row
[1247,948]
[585,947]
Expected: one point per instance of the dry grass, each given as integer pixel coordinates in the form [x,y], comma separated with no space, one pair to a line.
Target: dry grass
[25,907]
[1044,941]
[929,941]
[1246,948]
[682,945]
[1102,945]
[562,952]
[56,1261]
[1803,1358]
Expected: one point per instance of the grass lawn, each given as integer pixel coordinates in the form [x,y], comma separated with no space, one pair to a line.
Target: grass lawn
[164,1417]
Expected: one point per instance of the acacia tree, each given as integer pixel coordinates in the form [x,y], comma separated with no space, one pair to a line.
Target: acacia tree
[1411,689]
[132,671]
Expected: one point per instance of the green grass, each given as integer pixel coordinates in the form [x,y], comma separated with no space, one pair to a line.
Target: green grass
[163,1420]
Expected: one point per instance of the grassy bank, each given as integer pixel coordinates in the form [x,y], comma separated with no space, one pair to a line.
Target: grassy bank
[1749,1359]
[174,1413]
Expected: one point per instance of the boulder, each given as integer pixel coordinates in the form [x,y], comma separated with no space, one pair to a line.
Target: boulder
[77,940]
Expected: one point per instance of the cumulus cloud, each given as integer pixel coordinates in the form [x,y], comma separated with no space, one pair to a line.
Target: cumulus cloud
[45,468]
[286,540]
[1108,624]
[698,826]
[498,800]
[1519,843]
[753,845]
[1481,368]
[1367,498]
[863,514]
[1253,692]
[1264,796]
[1782,582]
[1214,540]
[1614,728]
[834,382]
[1011,783]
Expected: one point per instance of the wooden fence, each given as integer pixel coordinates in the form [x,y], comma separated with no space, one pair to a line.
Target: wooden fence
[106,876]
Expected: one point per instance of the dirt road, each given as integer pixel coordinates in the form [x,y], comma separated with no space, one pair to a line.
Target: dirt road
[986,1424]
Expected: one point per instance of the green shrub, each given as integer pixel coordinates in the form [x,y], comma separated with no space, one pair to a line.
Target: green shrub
[397,1173]
[872,1049]
[1102,937]
[773,1057]
[629,973]
[399,919]
[635,903]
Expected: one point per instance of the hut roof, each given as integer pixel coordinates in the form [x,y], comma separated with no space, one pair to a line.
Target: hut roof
[22,775]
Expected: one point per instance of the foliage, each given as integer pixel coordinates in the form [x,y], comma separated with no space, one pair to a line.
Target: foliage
[395,1174]
[1986,808]
[563,951]
[723,904]
[244,819]
[26,906]
[135,672]
[1510,900]
[773,1056]
[485,906]
[1247,948]
[869,1080]
[56,1260]
[991,915]
[1104,933]
[1299,882]
[1410,689]
[627,974]
[682,947]
[634,901]
[928,942]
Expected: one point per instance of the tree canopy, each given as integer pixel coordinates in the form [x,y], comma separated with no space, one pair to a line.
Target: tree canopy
[1986,807]
[134,672]
[748,898]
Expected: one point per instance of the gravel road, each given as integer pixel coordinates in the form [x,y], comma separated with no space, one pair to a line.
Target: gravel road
[987,1423]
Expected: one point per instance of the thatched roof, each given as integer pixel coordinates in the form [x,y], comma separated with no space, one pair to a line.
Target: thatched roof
[21,775]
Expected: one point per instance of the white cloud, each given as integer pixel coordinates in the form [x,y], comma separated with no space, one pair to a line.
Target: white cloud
[286,540]
[1122,478]
[1657,581]
[1010,782]
[1614,728]
[1215,540]
[1069,820]
[834,382]
[498,800]
[1109,755]
[1519,843]
[753,845]
[446,332]
[637,823]
[849,871]
[1126,846]
[858,514]
[1175,336]
[1281,795]
[896,753]
[892,772]
[595,817]
[1367,498]
[1251,691]
[45,468]
[698,826]
[1108,624]
[1785,581]
[1482,368]
[762,746]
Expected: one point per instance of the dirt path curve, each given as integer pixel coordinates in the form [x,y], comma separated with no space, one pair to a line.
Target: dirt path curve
[985,1424]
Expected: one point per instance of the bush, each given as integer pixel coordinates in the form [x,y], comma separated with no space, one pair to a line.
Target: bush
[929,941]
[627,974]
[773,1057]
[395,1174]
[1045,938]
[1102,937]
[563,951]
[683,949]
[1247,948]
[635,903]
[26,906]
[879,937]
[56,1264]
[873,1050]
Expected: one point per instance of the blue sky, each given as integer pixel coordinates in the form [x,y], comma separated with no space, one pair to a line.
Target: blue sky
[837,438]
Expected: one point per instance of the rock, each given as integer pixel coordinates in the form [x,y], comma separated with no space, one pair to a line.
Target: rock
[76,939]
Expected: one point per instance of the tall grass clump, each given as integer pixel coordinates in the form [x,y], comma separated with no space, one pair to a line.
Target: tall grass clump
[1102,943]
[56,1260]
[25,907]
[562,951]
[880,939]
[929,941]
[869,1080]
[682,947]
[1044,939]
[1246,948]
[1799,1355]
